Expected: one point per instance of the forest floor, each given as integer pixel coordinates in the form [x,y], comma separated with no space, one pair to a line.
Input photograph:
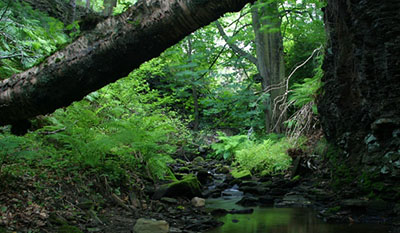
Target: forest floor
[52,202]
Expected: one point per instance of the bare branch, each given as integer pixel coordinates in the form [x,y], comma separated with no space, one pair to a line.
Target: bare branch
[10,56]
[234,47]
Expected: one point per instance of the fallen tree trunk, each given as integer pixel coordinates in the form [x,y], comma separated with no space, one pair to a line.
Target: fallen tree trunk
[103,55]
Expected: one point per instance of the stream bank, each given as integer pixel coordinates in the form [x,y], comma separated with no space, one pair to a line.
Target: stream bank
[98,208]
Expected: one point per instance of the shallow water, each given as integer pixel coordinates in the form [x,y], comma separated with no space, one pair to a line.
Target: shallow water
[282,220]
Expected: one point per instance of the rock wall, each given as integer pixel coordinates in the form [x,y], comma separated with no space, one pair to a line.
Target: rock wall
[360,104]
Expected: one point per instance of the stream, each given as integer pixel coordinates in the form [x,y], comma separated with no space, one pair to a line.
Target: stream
[277,220]
[281,220]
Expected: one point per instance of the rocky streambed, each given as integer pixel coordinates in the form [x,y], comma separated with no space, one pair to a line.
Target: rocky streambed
[230,199]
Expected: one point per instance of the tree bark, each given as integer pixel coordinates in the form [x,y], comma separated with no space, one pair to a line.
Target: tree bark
[103,55]
[359,107]
[109,7]
[73,13]
[195,97]
[270,63]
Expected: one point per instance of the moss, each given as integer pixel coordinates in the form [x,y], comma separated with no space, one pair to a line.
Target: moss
[188,186]
[68,229]
[334,209]
[243,174]
[198,159]
[180,161]
[296,178]
[184,170]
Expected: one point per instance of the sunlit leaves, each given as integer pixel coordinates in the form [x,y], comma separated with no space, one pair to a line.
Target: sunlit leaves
[26,37]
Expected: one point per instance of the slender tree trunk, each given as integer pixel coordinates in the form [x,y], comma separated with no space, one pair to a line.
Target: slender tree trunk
[109,7]
[88,4]
[194,89]
[109,52]
[270,63]
[73,13]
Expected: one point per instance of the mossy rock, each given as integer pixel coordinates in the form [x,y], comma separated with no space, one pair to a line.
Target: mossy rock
[68,229]
[189,186]
[198,160]
[223,169]
[180,161]
[242,175]
[184,170]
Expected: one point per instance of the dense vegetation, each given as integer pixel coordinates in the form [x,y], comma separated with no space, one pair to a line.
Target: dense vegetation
[199,98]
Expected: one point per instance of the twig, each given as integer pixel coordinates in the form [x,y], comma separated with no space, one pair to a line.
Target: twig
[8,5]
[10,56]
[53,132]
[120,202]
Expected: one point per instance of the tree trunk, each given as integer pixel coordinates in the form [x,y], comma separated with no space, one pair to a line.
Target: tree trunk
[73,13]
[109,7]
[359,107]
[88,4]
[109,52]
[194,89]
[270,63]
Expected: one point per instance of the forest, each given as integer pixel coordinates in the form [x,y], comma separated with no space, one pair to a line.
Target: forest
[239,116]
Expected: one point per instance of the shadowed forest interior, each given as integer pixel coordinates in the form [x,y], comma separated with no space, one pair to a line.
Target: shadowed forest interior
[199,116]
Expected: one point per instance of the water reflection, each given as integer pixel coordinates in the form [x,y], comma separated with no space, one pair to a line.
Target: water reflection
[283,220]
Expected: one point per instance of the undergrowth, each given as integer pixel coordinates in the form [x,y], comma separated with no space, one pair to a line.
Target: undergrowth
[263,157]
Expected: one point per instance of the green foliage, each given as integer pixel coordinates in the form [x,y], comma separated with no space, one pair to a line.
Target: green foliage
[307,91]
[26,37]
[268,157]
[16,150]
[115,129]
[228,145]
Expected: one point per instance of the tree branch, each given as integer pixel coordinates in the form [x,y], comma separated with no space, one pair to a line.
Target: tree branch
[10,56]
[234,47]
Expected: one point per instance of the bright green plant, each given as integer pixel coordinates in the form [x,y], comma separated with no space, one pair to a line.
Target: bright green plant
[268,157]
[116,128]
[26,37]
[307,91]
[228,145]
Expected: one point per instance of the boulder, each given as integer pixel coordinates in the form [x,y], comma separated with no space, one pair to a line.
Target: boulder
[241,175]
[266,200]
[198,202]
[198,160]
[248,201]
[223,169]
[189,186]
[219,212]
[150,226]
[203,176]
[184,170]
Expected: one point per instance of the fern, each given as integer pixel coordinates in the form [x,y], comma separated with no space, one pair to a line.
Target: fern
[228,145]
[268,157]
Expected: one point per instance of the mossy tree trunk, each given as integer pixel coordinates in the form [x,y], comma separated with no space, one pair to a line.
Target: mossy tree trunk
[103,55]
